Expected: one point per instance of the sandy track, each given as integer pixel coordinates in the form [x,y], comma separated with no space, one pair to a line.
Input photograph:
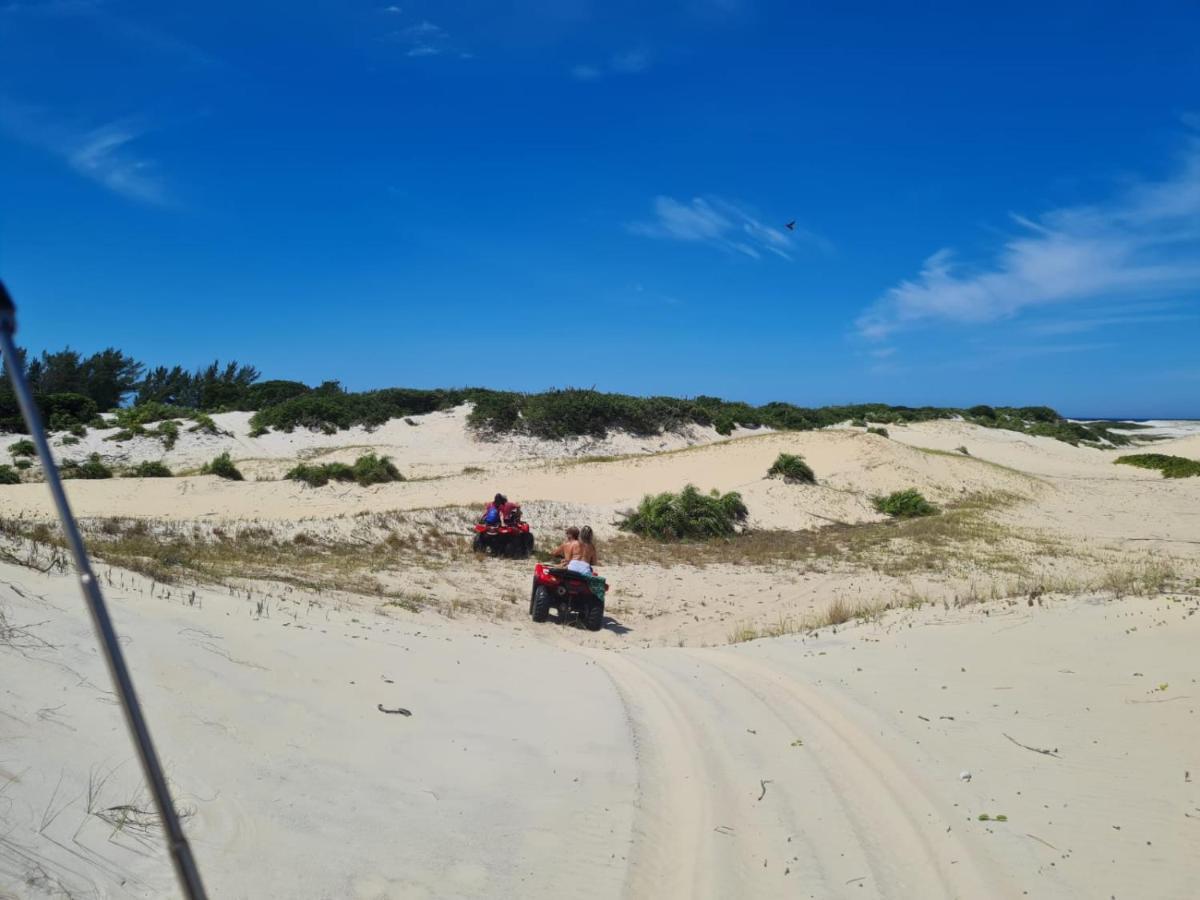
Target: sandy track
[730,805]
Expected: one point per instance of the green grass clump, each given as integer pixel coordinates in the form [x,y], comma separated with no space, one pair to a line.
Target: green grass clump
[69,440]
[206,425]
[687,515]
[149,469]
[368,469]
[24,463]
[23,447]
[223,467]
[1170,466]
[879,430]
[909,504]
[167,432]
[92,468]
[793,469]
[9,475]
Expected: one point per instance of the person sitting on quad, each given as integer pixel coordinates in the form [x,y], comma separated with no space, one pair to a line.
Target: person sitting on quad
[583,553]
[493,514]
[510,513]
[567,547]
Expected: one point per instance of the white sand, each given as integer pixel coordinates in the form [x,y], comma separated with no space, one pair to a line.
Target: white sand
[541,761]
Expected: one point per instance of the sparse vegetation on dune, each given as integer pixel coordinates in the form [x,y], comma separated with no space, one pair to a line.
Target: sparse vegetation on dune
[223,467]
[1170,466]
[793,469]
[149,469]
[879,430]
[9,475]
[366,470]
[908,504]
[22,447]
[91,468]
[688,515]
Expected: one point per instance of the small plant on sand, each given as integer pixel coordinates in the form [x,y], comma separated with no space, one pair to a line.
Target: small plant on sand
[963,450]
[223,467]
[859,423]
[909,504]
[206,425]
[793,469]
[9,475]
[24,463]
[149,469]
[879,430]
[688,514]
[23,447]
[70,440]
[368,469]
[1170,466]
[167,431]
[91,468]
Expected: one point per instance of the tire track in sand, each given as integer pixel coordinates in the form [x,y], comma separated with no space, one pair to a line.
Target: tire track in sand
[840,807]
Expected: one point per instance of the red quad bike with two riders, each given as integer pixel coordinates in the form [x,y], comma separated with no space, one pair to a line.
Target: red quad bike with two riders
[510,537]
[577,597]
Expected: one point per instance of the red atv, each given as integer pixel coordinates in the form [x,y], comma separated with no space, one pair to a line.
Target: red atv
[513,541]
[576,597]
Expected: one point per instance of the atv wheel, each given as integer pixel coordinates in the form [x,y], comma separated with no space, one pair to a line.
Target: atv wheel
[594,617]
[541,604]
[477,545]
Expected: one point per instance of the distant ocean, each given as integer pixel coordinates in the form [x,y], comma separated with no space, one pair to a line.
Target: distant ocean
[1167,428]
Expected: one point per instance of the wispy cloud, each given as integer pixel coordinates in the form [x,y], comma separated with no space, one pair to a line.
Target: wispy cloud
[425,39]
[104,154]
[718,223]
[629,62]
[1143,244]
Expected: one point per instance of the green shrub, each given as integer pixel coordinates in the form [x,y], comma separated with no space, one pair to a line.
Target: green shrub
[859,423]
[23,447]
[78,431]
[149,469]
[9,475]
[963,450]
[882,432]
[69,440]
[907,504]
[126,434]
[206,425]
[148,413]
[1170,466]
[24,463]
[223,467]
[688,514]
[368,469]
[167,431]
[372,469]
[63,410]
[793,469]
[92,468]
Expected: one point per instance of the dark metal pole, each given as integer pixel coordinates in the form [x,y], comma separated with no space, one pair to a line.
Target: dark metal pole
[181,853]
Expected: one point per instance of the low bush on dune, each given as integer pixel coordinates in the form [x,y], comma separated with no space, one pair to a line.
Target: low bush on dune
[793,469]
[23,447]
[1170,466]
[204,424]
[882,432]
[149,469]
[9,475]
[687,515]
[223,467]
[368,469]
[91,468]
[24,463]
[907,504]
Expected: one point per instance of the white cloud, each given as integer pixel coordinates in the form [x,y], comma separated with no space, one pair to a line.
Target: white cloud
[718,223]
[105,155]
[425,38]
[630,62]
[585,73]
[1143,244]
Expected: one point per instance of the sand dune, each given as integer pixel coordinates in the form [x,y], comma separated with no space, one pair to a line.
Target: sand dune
[1051,608]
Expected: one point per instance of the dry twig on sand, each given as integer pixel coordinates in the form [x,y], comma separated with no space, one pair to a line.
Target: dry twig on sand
[1053,752]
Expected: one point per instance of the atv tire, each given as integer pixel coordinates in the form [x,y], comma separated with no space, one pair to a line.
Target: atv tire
[594,617]
[540,608]
[478,545]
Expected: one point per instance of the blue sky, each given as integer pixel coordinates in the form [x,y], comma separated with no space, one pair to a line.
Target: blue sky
[997,205]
